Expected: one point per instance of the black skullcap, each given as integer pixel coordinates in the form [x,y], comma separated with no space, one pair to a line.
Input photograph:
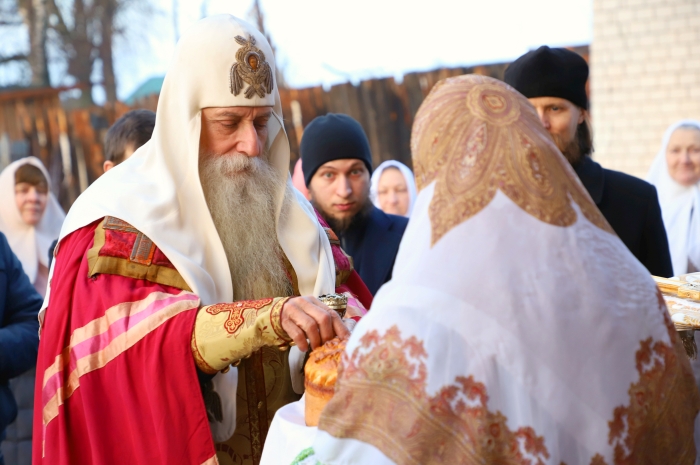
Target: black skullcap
[550,72]
[332,137]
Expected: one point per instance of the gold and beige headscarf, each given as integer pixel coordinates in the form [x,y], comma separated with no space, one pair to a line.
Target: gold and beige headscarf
[517,327]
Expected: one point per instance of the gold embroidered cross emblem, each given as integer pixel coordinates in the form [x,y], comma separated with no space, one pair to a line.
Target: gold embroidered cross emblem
[238,312]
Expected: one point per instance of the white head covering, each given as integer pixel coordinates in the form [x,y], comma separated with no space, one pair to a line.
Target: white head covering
[407,174]
[30,243]
[677,202]
[158,191]
[517,324]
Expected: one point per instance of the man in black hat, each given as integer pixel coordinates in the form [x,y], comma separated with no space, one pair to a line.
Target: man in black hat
[337,165]
[554,81]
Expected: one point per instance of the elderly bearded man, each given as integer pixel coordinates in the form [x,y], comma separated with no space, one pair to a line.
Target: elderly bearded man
[182,261]
[554,81]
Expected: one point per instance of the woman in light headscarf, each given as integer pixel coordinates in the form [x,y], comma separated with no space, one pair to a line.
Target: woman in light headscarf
[298,179]
[33,219]
[393,188]
[517,328]
[676,174]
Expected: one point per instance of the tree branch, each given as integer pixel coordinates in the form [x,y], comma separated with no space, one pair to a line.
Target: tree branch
[60,27]
[16,57]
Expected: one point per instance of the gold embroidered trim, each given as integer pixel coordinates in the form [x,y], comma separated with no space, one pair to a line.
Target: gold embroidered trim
[276,321]
[98,264]
[199,360]
[474,136]
[251,68]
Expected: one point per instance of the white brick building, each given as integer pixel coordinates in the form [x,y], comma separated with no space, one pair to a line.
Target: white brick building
[645,75]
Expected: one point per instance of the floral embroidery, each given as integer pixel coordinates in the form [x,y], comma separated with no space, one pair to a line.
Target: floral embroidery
[385,381]
[658,424]
[473,136]
[244,311]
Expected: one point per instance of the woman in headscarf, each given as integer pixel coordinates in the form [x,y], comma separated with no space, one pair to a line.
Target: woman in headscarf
[298,179]
[676,174]
[517,328]
[33,219]
[393,188]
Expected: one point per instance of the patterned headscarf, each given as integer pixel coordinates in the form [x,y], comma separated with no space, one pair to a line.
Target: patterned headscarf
[517,327]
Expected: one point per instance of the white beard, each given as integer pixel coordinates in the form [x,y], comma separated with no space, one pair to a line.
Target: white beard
[240,192]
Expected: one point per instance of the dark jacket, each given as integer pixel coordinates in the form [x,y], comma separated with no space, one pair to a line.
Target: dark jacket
[19,338]
[373,244]
[631,206]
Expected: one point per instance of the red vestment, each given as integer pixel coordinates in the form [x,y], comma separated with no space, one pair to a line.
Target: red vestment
[116,380]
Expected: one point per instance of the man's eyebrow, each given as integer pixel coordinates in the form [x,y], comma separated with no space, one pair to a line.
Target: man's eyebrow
[227,114]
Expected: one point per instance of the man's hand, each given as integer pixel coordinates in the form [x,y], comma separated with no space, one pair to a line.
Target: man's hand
[308,318]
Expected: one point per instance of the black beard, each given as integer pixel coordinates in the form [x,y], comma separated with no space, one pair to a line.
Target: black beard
[340,226]
[571,149]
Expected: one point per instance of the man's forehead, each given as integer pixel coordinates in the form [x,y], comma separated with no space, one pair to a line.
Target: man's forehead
[544,101]
[238,111]
[343,164]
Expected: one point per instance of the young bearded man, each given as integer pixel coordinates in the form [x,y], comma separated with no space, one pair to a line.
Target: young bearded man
[337,165]
[554,81]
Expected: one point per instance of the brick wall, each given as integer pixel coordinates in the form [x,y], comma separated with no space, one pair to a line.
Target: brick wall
[645,75]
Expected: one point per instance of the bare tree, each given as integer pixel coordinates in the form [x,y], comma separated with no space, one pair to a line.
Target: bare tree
[11,17]
[33,15]
[108,10]
[77,39]
[89,36]
[258,16]
[36,18]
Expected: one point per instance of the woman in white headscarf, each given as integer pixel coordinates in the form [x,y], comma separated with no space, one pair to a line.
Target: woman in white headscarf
[676,174]
[393,188]
[517,327]
[33,220]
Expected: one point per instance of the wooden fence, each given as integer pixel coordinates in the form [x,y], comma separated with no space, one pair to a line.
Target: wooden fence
[69,142]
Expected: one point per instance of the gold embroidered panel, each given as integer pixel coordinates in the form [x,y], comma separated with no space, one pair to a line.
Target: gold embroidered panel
[475,135]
